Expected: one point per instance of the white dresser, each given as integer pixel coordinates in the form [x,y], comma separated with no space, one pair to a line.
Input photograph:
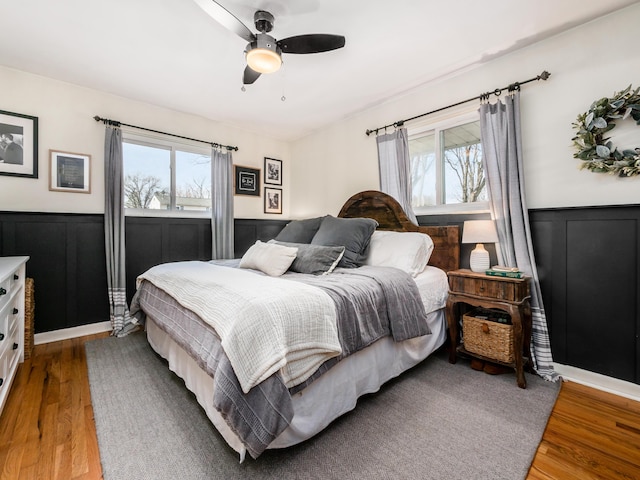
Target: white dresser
[12,276]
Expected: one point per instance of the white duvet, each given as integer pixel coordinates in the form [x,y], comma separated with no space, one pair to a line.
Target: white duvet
[265,324]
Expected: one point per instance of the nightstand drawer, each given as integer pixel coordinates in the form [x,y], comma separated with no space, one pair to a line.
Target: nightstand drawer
[489,288]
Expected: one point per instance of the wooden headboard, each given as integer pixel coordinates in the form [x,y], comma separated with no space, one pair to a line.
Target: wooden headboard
[390,216]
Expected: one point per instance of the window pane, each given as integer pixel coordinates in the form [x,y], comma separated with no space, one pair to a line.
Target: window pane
[147,176]
[193,181]
[422,152]
[463,173]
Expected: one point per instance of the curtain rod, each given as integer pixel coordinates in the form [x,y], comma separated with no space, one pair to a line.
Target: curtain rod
[116,123]
[512,87]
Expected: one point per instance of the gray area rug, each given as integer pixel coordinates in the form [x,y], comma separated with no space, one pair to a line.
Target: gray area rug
[435,421]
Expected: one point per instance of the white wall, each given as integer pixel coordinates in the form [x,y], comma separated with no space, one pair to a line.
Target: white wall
[323,169]
[65,119]
[586,63]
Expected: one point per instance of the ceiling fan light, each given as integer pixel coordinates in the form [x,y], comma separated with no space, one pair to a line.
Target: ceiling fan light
[263,60]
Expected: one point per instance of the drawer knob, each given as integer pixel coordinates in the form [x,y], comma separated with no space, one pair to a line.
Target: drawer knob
[15,311]
[15,346]
[2,291]
[1,381]
[1,336]
[485,328]
[16,276]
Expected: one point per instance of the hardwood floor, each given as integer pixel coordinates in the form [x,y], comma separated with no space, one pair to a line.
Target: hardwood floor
[47,429]
[591,434]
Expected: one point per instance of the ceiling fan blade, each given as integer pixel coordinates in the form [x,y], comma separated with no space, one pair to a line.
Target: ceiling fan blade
[249,76]
[227,19]
[312,43]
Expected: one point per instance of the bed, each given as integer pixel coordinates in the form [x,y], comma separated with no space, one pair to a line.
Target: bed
[300,405]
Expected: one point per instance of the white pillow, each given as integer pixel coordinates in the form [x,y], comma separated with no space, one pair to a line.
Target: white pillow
[408,251]
[270,258]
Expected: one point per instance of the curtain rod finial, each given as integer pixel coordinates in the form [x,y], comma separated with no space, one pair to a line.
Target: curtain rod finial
[544,75]
[97,118]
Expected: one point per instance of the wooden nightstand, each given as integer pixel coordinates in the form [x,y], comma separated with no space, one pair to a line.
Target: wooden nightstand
[510,295]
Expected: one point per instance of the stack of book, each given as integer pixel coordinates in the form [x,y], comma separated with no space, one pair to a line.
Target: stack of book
[501,271]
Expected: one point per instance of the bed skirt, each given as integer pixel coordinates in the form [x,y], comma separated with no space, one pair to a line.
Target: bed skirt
[330,396]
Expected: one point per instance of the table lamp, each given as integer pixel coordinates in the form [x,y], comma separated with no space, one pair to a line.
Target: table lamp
[479,232]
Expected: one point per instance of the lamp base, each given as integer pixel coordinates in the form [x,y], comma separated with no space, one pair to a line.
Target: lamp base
[479,259]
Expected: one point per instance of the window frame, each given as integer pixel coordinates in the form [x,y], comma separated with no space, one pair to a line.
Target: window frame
[170,145]
[437,126]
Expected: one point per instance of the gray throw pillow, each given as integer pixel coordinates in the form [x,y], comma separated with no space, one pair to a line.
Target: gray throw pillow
[314,259]
[352,233]
[299,231]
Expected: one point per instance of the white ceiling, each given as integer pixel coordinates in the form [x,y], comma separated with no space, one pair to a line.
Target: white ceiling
[171,53]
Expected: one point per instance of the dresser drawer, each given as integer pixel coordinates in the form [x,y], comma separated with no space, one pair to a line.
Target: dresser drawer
[5,324]
[4,370]
[14,313]
[510,291]
[9,352]
[5,291]
[13,348]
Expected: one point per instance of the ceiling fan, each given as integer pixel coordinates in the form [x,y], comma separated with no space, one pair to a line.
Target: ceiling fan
[264,53]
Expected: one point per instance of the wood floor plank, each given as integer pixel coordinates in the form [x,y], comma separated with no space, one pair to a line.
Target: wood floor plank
[603,437]
[585,455]
[47,429]
[584,438]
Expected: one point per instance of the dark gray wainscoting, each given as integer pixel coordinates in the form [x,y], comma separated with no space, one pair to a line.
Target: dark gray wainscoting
[68,260]
[589,267]
[67,263]
[588,262]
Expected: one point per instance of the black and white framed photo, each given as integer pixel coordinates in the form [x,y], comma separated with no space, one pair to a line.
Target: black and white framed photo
[272,171]
[18,145]
[272,200]
[69,172]
[247,181]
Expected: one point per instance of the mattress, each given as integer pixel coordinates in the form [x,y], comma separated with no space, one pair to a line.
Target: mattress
[334,393]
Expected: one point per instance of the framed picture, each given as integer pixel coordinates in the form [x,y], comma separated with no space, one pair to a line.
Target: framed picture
[272,171]
[272,200]
[69,172]
[246,181]
[18,145]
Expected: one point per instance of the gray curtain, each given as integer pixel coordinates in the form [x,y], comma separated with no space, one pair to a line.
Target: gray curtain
[121,322]
[395,168]
[222,204]
[502,158]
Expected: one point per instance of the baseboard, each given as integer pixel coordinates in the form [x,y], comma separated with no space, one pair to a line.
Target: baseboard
[598,381]
[73,332]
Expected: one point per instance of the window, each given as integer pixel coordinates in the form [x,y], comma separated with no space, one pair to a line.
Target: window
[446,166]
[161,177]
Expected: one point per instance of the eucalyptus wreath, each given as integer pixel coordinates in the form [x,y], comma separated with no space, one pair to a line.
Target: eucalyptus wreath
[597,151]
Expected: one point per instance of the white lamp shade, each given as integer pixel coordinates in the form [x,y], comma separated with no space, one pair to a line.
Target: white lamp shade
[479,232]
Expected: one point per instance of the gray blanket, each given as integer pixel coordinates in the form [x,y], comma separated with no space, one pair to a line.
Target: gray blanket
[371,302]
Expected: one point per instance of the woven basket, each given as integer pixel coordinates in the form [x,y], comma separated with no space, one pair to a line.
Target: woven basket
[490,339]
[29,311]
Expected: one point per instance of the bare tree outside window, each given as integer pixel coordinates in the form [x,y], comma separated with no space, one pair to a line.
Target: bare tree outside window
[466,164]
[198,188]
[446,166]
[140,189]
[166,177]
